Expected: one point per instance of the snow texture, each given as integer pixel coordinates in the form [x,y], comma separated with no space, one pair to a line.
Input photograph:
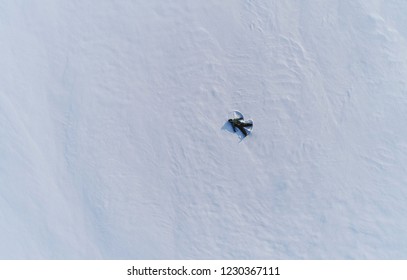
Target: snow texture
[111,140]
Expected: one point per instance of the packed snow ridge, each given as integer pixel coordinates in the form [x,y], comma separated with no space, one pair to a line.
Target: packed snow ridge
[113,142]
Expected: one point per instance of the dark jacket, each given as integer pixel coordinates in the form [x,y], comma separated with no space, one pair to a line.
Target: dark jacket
[240,124]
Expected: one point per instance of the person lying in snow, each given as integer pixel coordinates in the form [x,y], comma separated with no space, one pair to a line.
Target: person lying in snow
[240,124]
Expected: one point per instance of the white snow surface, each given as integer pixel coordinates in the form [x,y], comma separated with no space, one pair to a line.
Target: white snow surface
[114,144]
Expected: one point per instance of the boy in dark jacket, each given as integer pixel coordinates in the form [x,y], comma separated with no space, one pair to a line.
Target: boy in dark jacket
[240,124]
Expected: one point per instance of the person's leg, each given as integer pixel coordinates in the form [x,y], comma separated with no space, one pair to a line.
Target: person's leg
[243,131]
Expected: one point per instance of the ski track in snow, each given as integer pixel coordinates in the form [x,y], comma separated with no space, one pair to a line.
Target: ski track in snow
[113,143]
